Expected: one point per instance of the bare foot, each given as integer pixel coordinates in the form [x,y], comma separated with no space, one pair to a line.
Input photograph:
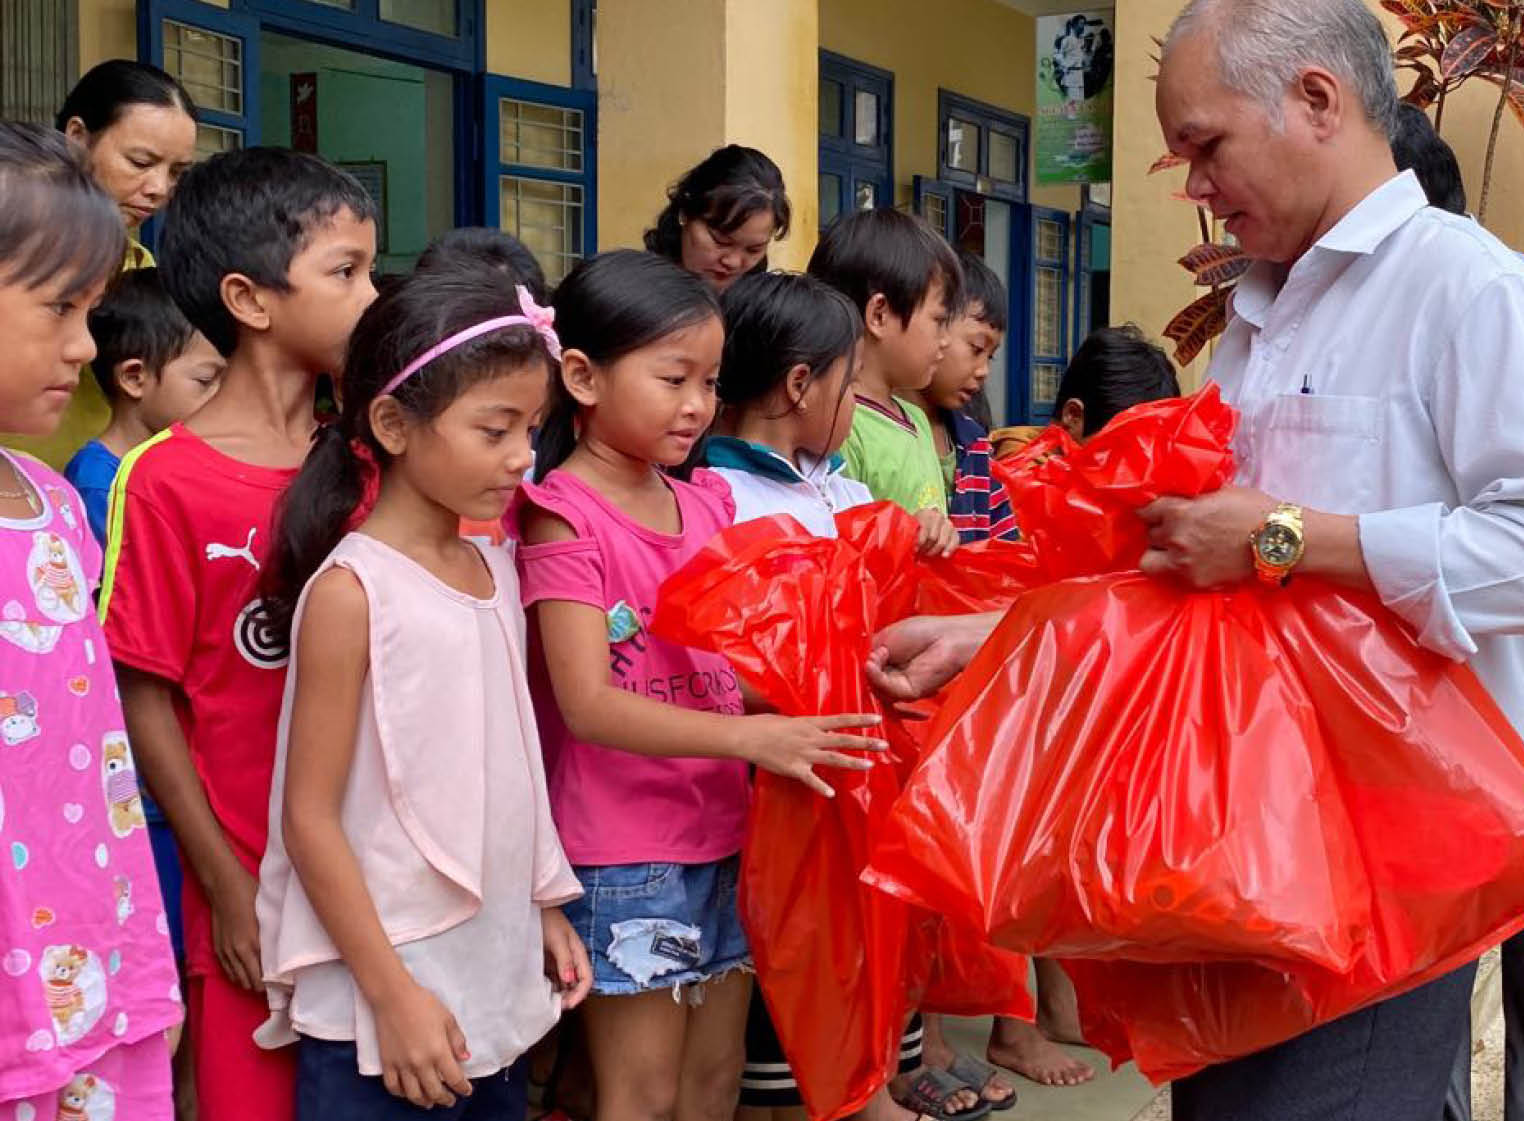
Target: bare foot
[1021,1047]
[1057,1005]
[935,1050]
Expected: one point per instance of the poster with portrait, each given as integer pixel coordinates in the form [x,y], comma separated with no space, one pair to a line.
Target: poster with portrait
[1076,63]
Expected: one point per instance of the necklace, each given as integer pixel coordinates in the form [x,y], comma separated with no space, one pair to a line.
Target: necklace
[25,492]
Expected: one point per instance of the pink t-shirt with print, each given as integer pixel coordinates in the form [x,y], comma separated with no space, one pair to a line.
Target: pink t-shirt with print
[85,962]
[610,806]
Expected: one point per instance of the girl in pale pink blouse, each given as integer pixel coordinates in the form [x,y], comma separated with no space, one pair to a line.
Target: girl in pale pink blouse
[646,747]
[408,899]
[87,979]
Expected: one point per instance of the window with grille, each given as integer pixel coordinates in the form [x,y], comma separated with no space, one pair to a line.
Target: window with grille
[543,169]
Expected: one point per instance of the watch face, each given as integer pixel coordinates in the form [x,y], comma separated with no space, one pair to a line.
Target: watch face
[1278,546]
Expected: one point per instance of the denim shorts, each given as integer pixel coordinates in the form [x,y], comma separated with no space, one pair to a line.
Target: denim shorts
[659,926]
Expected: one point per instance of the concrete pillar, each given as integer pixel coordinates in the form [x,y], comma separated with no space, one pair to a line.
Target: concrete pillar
[679,78]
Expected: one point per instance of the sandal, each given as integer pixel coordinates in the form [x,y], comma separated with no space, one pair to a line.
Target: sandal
[930,1090]
[976,1074]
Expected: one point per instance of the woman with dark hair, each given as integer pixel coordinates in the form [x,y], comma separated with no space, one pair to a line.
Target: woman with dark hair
[137,126]
[722,215]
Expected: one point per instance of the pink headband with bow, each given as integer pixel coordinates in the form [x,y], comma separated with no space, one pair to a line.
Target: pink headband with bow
[542,319]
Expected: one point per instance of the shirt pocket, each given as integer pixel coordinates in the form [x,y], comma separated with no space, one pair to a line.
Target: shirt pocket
[1322,451]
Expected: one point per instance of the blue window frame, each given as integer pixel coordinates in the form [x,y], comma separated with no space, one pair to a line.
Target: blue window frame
[584,17]
[1047,322]
[215,52]
[856,136]
[360,27]
[541,164]
[982,147]
[1092,241]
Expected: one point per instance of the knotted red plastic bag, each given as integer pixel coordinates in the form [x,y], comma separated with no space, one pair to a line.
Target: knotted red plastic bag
[840,964]
[1076,505]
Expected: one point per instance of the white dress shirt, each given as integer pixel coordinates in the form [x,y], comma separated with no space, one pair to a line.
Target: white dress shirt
[1383,376]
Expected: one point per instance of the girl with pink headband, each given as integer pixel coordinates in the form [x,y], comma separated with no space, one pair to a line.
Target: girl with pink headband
[409,899]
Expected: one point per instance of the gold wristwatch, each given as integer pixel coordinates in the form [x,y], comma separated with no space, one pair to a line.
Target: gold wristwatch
[1278,545]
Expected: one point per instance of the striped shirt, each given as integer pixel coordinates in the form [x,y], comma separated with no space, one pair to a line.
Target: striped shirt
[979,507]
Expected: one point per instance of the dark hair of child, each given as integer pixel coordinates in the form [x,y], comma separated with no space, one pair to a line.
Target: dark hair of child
[136,319]
[724,192]
[607,307]
[482,245]
[1418,146]
[983,292]
[54,220]
[105,92]
[777,321]
[248,211]
[1113,370]
[401,324]
[884,251]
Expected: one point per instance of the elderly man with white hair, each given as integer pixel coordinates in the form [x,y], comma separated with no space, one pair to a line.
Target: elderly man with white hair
[1376,354]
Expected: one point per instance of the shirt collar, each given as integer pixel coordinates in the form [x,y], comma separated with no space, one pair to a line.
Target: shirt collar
[755,459]
[1379,215]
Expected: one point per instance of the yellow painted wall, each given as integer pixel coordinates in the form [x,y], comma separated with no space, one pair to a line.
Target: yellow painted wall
[772,89]
[1150,230]
[530,39]
[107,29]
[661,105]
[978,48]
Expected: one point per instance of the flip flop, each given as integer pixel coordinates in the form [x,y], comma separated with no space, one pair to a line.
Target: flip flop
[929,1091]
[977,1074]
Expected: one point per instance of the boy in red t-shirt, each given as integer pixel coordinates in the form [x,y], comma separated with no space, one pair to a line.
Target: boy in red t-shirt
[268,253]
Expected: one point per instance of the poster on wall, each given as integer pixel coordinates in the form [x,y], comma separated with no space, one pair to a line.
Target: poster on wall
[1076,60]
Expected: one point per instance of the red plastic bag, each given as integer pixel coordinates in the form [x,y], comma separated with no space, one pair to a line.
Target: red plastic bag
[1129,770]
[1444,755]
[1082,799]
[840,964]
[1076,505]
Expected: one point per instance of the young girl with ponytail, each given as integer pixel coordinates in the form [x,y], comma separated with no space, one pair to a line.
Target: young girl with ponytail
[409,899]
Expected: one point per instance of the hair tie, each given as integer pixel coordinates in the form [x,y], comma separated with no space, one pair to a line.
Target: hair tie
[542,319]
[370,484]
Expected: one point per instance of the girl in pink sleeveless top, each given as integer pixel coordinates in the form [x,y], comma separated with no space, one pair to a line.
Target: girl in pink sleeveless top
[646,749]
[409,897]
[88,987]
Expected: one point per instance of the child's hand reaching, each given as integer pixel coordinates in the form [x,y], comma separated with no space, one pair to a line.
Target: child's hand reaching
[421,1047]
[794,746]
[566,961]
[938,537]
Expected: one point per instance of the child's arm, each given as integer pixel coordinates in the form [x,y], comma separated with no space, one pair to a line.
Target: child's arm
[421,1045]
[164,759]
[575,640]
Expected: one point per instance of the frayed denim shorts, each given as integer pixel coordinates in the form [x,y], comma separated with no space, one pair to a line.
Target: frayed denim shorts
[651,927]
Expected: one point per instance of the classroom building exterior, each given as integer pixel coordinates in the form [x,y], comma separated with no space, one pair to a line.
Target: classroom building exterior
[564,121]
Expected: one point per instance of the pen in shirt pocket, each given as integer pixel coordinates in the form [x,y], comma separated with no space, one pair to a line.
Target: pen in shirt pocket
[1306,385]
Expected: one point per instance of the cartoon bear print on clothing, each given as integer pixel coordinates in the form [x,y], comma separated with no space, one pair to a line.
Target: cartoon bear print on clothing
[124,801]
[86,1098]
[18,718]
[57,580]
[75,987]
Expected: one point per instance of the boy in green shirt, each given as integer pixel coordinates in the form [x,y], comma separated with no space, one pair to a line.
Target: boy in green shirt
[905,280]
